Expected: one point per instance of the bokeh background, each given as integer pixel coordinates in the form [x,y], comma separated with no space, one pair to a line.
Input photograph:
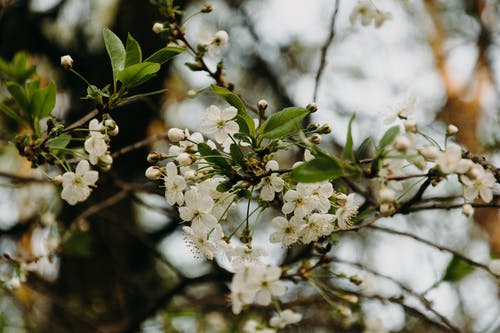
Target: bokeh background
[127,268]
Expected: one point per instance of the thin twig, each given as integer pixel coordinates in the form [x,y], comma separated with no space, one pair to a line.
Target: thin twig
[436,246]
[139,144]
[324,49]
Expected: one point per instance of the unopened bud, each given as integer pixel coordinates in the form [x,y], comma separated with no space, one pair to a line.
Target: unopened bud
[67,62]
[185,159]
[155,157]
[207,9]
[312,107]
[262,105]
[175,135]
[386,195]
[112,127]
[158,27]
[467,210]
[351,298]
[430,153]
[402,143]
[411,126]
[451,130]
[272,165]
[312,127]
[325,129]
[192,93]
[494,266]
[153,173]
[315,138]
[57,179]
[356,279]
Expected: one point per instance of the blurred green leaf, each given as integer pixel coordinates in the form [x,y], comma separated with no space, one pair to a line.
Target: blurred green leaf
[165,54]
[318,169]
[283,122]
[137,74]
[116,51]
[17,92]
[457,269]
[388,137]
[236,154]
[363,149]
[213,156]
[43,101]
[60,141]
[133,53]
[12,114]
[348,155]
[79,245]
[245,122]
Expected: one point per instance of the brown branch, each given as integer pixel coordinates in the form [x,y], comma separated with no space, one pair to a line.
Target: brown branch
[139,144]
[324,50]
[436,246]
[17,179]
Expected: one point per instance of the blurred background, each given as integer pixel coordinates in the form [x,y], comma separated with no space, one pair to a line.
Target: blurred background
[126,268]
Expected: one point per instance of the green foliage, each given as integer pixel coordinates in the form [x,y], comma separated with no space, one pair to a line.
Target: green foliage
[59,142]
[133,53]
[19,69]
[12,114]
[363,149]
[165,54]
[348,154]
[388,137]
[79,245]
[283,122]
[116,51]
[243,119]
[457,269]
[213,156]
[318,169]
[137,74]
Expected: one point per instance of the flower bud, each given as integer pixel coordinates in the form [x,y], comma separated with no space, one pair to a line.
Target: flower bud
[356,279]
[411,126]
[494,266]
[67,62]
[315,138]
[192,93]
[153,173]
[451,130]
[386,195]
[105,162]
[158,27]
[430,153]
[57,179]
[175,135]
[112,127]
[262,105]
[402,143]
[467,210]
[272,165]
[325,129]
[185,159]
[154,157]
[312,107]
[207,9]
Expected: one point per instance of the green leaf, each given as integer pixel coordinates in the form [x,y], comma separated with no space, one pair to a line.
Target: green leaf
[138,74]
[17,92]
[79,244]
[165,54]
[282,122]
[457,269]
[133,53]
[116,51]
[60,141]
[43,101]
[12,114]
[236,154]
[213,156]
[243,119]
[348,155]
[363,148]
[388,137]
[318,169]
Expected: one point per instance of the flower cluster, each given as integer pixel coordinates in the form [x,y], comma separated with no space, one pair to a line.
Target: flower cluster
[367,12]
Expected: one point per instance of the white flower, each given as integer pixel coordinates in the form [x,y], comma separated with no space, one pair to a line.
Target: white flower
[95,144]
[287,231]
[174,185]
[198,209]
[368,13]
[246,254]
[284,318]
[268,284]
[269,185]
[158,27]
[67,62]
[318,225]
[481,185]
[252,326]
[402,143]
[76,185]
[345,213]
[298,201]
[402,110]
[320,196]
[451,160]
[220,123]
[197,238]
[220,39]
[430,153]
